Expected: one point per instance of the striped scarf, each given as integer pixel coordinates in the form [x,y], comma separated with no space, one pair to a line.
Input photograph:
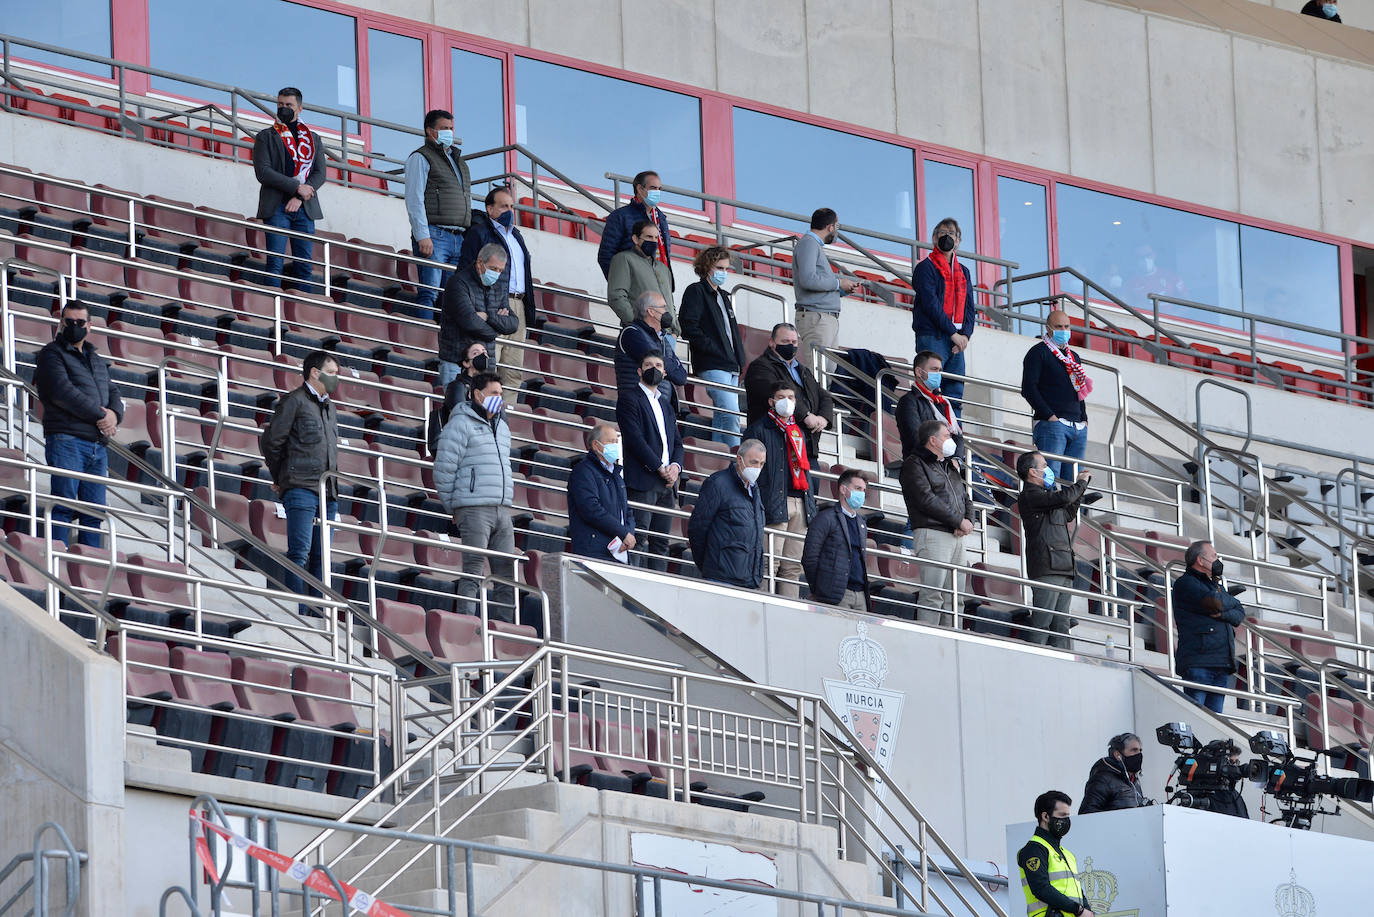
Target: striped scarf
[1077,375]
[301,147]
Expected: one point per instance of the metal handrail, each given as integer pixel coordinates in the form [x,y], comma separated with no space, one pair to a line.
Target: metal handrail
[72,858]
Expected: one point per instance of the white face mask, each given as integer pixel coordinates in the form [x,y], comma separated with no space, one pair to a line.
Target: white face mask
[784,407]
[948,449]
[750,474]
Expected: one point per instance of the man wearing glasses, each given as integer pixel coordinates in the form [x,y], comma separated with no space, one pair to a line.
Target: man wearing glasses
[81,410]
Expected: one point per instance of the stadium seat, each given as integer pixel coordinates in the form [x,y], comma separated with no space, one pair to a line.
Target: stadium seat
[147,676]
[314,705]
[204,679]
[263,687]
[584,767]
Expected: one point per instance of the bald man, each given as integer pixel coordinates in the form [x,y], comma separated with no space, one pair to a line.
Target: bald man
[1056,384]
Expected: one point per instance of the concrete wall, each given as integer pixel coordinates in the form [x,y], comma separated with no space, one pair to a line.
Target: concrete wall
[61,749]
[1191,100]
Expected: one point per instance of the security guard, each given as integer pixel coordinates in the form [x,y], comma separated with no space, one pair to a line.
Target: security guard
[1049,873]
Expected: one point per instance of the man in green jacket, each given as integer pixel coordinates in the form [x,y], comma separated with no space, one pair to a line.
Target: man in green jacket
[638,270]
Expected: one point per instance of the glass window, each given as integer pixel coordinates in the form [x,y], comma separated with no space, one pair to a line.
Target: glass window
[948,192]
[82,25]
[1023,236]
[647,128]
[799,167]
[260,45]
[479,111]
[1297,280]
[396,93]
[1136,249]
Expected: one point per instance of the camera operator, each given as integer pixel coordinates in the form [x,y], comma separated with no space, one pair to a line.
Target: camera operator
[1206,616]
[1229,801]
[1114,781]
[1049,872]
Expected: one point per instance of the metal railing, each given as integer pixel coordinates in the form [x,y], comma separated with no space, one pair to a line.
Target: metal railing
[37,886]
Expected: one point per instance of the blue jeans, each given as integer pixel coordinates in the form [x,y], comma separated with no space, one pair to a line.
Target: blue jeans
[302,250]
[62,450]
[1053,436]
[1219,678]
[447,372]
[953,389]
[447,244]
[303,548]
[725,418]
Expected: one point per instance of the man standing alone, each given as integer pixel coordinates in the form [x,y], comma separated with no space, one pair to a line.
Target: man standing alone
[438,204]
[289,163]
[817,287]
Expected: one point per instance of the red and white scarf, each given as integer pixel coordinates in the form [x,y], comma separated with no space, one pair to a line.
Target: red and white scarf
[1077,375]
[956,286]
[797,462]
[301,146]
[942,406]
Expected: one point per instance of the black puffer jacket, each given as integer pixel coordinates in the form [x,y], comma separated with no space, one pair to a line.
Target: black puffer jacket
[1045,515]
[934,493]
[826,558]
[75,390]
[1108,789]
[464,296]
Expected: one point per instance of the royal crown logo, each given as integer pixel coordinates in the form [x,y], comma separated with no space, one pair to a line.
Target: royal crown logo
[1100,888]
[863,660]
[869,712]
[1292,900]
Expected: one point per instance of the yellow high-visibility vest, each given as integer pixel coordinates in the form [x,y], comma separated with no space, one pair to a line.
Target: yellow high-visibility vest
[1063,869]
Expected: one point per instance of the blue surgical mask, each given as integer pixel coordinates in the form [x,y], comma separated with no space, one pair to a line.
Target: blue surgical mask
[445,138]
[933,380]
[1061,336]
[610,452]
[855,499]
[718,278]
[490,276]
[1049,477]
[653,197]
[507,219]
[1329,10]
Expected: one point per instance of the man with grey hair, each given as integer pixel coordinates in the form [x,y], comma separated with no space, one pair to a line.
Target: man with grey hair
[644,336]
[476,308]
[726,528]
[601,523]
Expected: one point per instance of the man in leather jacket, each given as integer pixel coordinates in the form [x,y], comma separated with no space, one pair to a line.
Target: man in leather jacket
[940,511]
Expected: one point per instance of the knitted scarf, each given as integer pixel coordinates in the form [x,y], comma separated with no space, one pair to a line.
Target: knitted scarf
[301,146]
[1077,375]
[798,465]
[956,287]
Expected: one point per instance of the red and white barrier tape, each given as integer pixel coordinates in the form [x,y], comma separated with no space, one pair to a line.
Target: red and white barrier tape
[360,901]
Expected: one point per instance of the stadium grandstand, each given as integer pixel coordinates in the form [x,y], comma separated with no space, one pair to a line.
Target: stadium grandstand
[192,722]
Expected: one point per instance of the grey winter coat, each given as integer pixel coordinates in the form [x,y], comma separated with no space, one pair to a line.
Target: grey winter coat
[472,467]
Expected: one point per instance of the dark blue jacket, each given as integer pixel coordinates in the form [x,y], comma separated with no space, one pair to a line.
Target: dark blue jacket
[635,342]
[1047,386]
[640,444]
[726,531]
[75,390]
[598,510]
[482,233]
[928,316]
[775,480]
[1206,616]
[618,234]
[827,557]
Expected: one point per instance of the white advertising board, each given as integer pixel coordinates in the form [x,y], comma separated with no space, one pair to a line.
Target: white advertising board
[721,862]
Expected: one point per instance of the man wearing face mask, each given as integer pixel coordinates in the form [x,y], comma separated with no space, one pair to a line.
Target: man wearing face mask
[786,484]
[815,409]
[836,570]
[1206,616]
[473,477]
[816,286]
[638,270]
[1149,278]
[1114,781]
[476,308]
[1049,872]
[438,205]
[1322,9]
[652,455]
[617,236]
[940,513]
[289,164]
[1056,385]
[81,410]
[645,336]
[924,402]
[497,225]
[726,527]
[944,315]
[601,523]
[1047,511]
[299,445]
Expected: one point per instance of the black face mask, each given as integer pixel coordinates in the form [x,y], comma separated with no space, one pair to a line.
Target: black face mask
[1133,762]
[73,334]
[786,351]
[649,247]
[651,376]
[286,114]
[479,363]
[945,244]
[1217,567]
[1059,827]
